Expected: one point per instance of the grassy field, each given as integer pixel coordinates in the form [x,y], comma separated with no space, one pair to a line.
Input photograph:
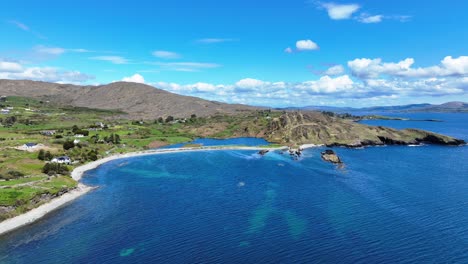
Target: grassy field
[23,179]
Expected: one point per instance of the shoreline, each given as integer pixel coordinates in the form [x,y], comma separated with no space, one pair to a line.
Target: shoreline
[37,213]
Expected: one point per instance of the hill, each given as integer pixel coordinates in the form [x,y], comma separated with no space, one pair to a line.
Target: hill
[139,101]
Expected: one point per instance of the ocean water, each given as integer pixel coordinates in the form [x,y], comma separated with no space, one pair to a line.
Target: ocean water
[386,205]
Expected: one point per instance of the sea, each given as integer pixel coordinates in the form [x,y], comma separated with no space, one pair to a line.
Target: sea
[392,204]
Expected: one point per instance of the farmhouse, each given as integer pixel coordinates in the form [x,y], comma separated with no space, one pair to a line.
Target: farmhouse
[29,146]
[61,160]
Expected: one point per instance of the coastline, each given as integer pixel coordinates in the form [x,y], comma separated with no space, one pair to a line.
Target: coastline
[39,212]
[35,214]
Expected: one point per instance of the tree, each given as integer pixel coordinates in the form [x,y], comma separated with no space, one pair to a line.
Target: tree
[68,145]
[41,155]
[169,119]
[75,129]
[48,156]
[55,168]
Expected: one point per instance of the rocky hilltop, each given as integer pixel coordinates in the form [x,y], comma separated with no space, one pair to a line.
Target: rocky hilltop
[139,101]
[316,128]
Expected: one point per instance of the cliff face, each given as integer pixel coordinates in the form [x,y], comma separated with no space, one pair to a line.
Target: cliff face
[317,128]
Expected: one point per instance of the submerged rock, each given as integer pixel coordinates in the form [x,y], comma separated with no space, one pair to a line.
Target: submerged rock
[330,156]
[263,152]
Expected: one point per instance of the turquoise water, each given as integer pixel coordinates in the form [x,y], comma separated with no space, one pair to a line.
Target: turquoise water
[387,205]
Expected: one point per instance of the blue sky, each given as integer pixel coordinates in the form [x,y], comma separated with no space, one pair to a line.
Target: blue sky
[276,53]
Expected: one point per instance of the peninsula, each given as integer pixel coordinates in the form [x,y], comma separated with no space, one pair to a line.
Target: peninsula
[50,134]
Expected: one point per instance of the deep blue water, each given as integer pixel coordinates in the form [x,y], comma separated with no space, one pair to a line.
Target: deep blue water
[387,205]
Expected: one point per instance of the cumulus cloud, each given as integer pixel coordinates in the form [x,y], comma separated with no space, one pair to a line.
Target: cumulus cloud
[9,66]
[373,68]
[112,59]
[351,11]
[136,78]
[371,79]
[164,54]
[16,71]
[303,45]
[340,11]
[308,44]
[335,70]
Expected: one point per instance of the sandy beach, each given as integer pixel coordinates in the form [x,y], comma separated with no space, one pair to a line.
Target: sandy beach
[39,212]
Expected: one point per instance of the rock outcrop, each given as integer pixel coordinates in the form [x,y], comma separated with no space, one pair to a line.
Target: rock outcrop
[316,128]
[330,156]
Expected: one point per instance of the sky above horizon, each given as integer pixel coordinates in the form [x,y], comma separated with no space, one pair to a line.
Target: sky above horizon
[270,53]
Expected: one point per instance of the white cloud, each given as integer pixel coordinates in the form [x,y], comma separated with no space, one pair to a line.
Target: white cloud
[368,19]
[185,66]
[335,70]
[112,59]
[49,50]
[16,71]
[373,80]
[373,68]
[340,11]
[26,28]
[250,83]
[136,78]
[215,40]
[351,11]
[303,45]
[163,54]
[8,66]
[327,84]
[288,50]
[20,25]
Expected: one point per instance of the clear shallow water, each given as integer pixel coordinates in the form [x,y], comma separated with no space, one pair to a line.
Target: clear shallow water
[388,205]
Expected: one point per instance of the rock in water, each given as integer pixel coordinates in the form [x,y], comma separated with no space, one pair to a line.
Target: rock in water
[330,156]
[263,152]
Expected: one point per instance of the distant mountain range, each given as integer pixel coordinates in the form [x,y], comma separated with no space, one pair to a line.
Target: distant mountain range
[139,101]
[450,107]
[142,101]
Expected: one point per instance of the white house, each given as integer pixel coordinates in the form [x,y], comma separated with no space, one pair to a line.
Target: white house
[29,146]
[61,160]
[76,141]
[5,111]
[79,136]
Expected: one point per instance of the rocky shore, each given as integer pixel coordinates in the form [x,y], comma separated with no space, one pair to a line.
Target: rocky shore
[297,128]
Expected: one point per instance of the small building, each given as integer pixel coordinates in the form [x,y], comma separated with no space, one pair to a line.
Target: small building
[29,146]
[5,111]
[48,132]
[3,98]
[76,141]
[61,160]
[79,135]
